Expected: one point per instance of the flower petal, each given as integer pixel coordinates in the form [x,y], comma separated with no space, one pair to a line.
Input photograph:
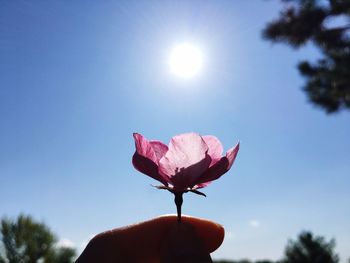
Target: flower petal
[219,168]
[159,149]
[144,147]
[185,160]
[215,148]
[145,158]
[231,155]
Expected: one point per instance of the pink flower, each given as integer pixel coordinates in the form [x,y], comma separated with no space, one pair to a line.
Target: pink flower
[189,162]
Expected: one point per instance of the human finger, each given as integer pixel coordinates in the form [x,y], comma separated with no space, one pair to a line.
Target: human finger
[148,241]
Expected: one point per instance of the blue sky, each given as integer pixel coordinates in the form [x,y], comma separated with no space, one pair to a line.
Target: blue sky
[78,78]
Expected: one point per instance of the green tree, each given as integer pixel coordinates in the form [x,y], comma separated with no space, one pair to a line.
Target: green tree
[27,241]
[310,249]
[303,21]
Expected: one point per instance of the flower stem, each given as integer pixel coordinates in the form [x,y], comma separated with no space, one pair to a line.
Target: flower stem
[178,201]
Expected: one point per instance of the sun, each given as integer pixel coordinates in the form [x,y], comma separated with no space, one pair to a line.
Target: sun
[185,60]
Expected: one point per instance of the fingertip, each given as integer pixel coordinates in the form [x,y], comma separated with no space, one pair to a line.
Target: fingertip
[157,236]
[182,244]
[211,233]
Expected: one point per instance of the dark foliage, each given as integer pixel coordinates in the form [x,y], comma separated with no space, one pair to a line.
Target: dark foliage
[310,249]
[328,79]
[27,241]
[306,249]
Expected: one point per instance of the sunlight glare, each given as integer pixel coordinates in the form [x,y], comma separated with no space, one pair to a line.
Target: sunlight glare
[185,60]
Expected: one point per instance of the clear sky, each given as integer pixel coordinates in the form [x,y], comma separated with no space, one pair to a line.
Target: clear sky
[77,78]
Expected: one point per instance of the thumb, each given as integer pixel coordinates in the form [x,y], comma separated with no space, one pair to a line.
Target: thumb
[183,245]
[157,239]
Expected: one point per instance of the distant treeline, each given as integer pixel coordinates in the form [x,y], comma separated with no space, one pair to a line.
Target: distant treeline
[308,248]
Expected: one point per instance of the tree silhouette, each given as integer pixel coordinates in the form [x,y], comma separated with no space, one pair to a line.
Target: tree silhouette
[310,249]
[27,241]
[302,21]
[306,249]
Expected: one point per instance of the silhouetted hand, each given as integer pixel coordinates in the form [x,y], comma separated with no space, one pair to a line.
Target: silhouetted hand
[162,239]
